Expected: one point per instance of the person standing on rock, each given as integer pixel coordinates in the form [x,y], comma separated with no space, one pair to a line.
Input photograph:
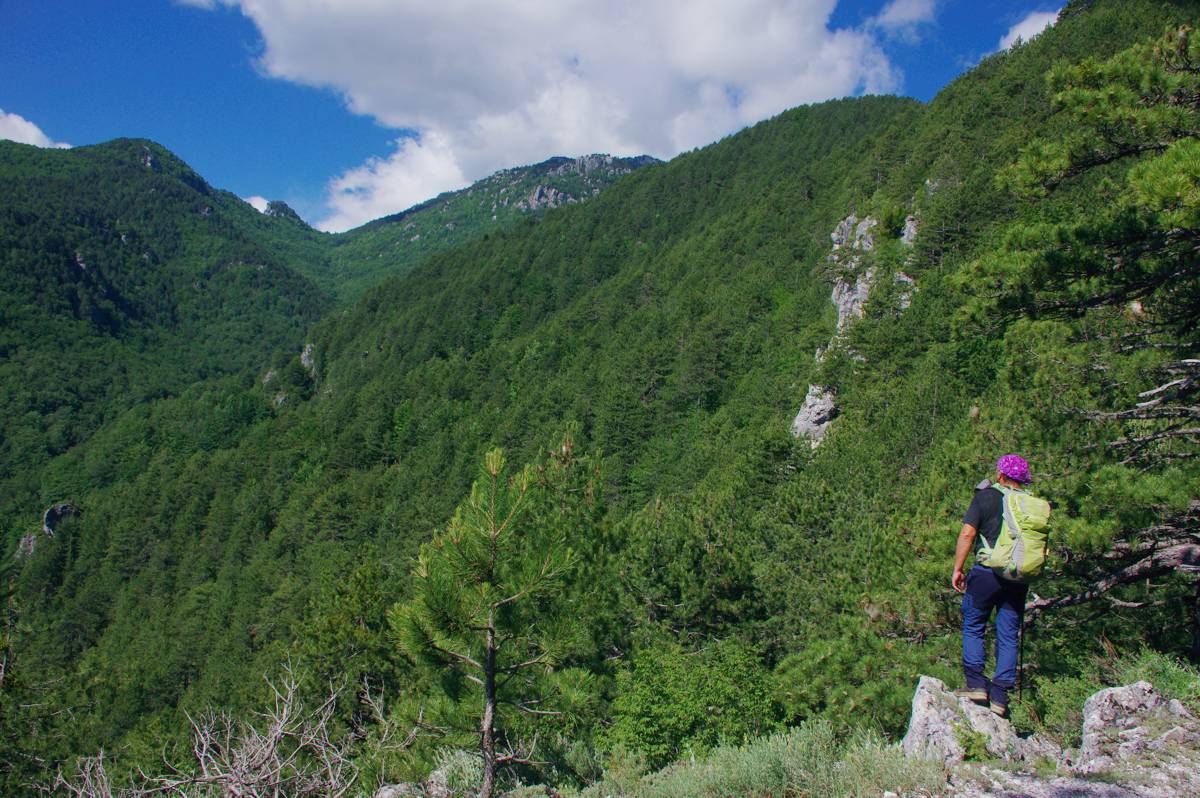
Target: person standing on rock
[1005,528]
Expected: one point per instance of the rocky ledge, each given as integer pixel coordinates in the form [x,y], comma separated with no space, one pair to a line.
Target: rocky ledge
[1136,744]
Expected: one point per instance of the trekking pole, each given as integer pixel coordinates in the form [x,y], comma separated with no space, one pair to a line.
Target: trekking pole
[1021,656]
[1020,662]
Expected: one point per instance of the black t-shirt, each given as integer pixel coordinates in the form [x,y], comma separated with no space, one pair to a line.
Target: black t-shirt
[986,513]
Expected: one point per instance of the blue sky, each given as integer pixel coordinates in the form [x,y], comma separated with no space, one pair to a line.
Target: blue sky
[350,110]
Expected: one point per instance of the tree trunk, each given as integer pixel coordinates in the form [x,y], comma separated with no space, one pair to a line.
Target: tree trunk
[487,725]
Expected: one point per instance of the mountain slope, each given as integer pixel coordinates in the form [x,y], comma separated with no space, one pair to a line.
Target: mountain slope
[670,326]
[393,245]
[124,277]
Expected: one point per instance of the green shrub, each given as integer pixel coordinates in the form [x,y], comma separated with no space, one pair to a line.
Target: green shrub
[673,702]
[1060,705]
[1169,676]
[974,743]
[1056,709]
[808,760]
[463,770]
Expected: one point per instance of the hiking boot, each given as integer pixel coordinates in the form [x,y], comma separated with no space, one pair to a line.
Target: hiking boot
[999,710]
[975,696]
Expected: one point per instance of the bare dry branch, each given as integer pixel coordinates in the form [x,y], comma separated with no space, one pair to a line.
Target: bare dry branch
[288,751]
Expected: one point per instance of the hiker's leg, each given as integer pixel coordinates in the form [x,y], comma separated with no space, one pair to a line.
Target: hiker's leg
[976,610]
[1010,612]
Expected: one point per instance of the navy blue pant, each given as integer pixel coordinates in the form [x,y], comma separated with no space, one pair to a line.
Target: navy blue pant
[986,592]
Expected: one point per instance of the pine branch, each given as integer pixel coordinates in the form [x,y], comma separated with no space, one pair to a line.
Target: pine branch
[1184,557]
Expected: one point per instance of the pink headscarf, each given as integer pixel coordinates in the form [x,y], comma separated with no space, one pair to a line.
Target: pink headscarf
[1014,467]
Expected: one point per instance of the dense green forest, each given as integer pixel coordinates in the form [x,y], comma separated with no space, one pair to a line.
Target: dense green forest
[684,571]
[363,257]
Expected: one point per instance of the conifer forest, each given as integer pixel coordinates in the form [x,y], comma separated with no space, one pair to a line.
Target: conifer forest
[534,502]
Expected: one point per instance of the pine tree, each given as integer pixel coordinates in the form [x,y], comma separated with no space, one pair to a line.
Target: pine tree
[482,612]
[1111,294]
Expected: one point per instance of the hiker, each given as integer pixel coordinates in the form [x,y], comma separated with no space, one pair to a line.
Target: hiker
[1008,552]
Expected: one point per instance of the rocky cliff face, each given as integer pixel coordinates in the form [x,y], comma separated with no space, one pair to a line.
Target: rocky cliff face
[851,239]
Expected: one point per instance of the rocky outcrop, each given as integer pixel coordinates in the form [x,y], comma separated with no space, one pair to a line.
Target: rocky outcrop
[907,286]
[436,785]
[1127,728]
[943,726]
[815,415]
[278,209]
[1140,744]
[308,360]
[54,515]
[545,197]
[850,240]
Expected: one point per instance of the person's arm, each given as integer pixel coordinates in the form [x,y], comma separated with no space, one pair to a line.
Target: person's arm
[966,541]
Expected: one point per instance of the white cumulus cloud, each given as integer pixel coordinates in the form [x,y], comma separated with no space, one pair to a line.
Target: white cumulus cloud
[17,128]
[904,18]
[1033,24]
[490,85]
[257,203]
[386,185]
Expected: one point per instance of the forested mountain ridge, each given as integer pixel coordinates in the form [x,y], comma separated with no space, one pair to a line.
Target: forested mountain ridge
[646,353]
[126,277]
[394,244]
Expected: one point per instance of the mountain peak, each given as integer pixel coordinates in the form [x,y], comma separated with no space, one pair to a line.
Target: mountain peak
[278,209]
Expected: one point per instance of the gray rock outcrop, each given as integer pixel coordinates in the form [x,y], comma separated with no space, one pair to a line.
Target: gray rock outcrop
[850,240]
[1128,728]
[1136,744]
[542,197]
[943,724]
[436,785]
[815,415]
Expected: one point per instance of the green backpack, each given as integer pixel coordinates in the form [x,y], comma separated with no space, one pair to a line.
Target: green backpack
[1020,550]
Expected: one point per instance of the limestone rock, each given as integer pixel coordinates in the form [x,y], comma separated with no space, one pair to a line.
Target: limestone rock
[849,298]
[852,286]
[436,785]
[908,236]
[1134,730]
[985,782]
[545,197]
[308,360]
[864,239]
[1136,744]
[908,287]
[853,234]
[278,209]
[815,415]
[941,722]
